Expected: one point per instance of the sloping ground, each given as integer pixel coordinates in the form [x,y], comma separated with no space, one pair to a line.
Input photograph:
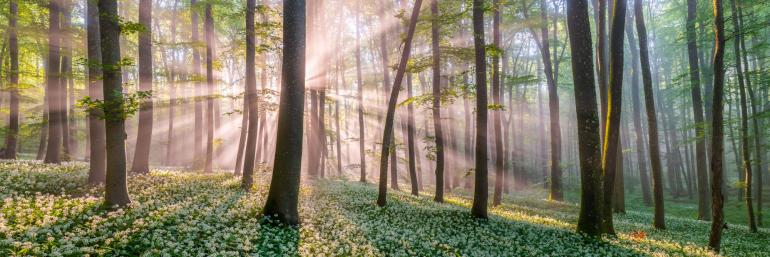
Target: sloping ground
[48,211]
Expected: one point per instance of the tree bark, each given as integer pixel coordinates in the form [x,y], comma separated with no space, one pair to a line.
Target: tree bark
[497,126]
[717,137]
[480,191]
[13,79]
[250,100]
[209,29]
[360,82]
[198,160]
[282,197]
[589,219]
[410,138]
[636,103]
[144,131]
[53,94]
[116,190]
[96,172]
[438,130]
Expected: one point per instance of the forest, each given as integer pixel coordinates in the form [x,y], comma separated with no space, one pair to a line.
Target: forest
[384,128]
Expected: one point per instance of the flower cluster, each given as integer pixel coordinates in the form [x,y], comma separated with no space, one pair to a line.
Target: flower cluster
[49,210]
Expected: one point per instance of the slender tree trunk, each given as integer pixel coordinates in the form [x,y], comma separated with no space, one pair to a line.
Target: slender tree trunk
[387,136]
[53,76]
[144,131]
[65,31]
[283,195]
[497,126]
[758,143]
[250,98]
[700,143]
[556,192]
[198,159]
[410,138]
[116,190]
[480,191]
[717,147]
[746,153]
[170,143]
[360,82]
[589,219]
[209,29]
[13,78]
[341,71]
[638,130]
[652,120]
[438,131]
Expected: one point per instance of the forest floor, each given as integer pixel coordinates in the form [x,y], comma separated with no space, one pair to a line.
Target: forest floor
[50,211]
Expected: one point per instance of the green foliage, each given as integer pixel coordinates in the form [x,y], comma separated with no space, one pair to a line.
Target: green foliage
[127,104]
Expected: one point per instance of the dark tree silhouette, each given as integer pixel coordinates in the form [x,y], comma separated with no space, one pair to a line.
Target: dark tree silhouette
[283,195]
[480,190]
[717,136]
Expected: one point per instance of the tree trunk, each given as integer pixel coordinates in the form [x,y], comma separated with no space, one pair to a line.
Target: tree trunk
[746,153]
[209,29]
[497,126]
[116,190]
[53,94]
[758,142]
[172,76]
[387,136]
[410,138]
[65,31]
[282,197]
[360,82]
[556,192]
[717,147]
[589,220]
[250,99]
[196,77]
[697,103]
[652,120]
[438,131]
[96,133]
[144,131]
[13,88]
[480,191]
[638,130]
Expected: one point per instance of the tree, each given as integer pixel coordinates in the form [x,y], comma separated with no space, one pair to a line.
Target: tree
[717,137]
[196,70]
[590,217]
[413,177]
[209,30]
[496,120]
[141,163]
[438,131]
[745,152]
[697,107]
[53,87]
[612,148]
[636,104]
[387,136]
[480,193]
[13,88]
[360,83]
[555,192]
[652,120]
[250,99]
[116,190]
[282,197]
[96,133]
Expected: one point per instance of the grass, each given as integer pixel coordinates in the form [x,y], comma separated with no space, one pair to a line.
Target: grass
[49,211]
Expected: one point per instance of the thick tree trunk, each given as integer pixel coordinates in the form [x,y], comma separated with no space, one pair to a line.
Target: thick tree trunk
[96,133]
[717,138]
[141,163]
[387,136]
[589,219]
[652,120]
[283,195]
[116,190]
[480,191]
